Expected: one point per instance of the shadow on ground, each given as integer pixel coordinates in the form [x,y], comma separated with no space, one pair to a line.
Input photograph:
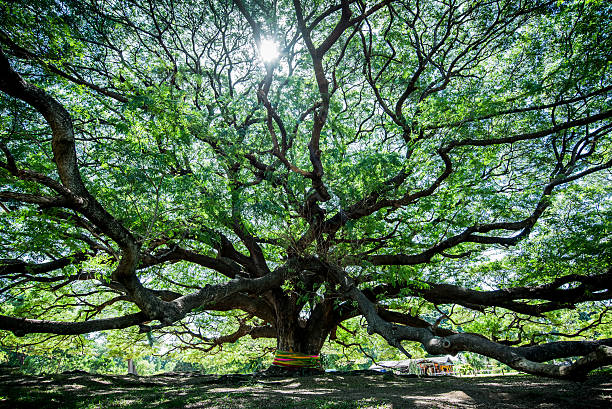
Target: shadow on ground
[325,391]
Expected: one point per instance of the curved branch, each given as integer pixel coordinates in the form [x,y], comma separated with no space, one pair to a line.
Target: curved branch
[591,288]
[597,353]
[10,266]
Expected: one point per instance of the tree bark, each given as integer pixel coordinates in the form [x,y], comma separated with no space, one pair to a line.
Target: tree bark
[131,367]
[295,333]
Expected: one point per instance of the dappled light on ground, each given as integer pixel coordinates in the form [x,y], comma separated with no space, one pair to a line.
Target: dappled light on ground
[329,391]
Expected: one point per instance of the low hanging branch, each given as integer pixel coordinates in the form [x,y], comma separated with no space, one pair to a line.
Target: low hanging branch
[174,310]
[207,344]
[595,353]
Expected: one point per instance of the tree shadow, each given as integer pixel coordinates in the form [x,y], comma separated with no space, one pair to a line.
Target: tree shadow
[330,391]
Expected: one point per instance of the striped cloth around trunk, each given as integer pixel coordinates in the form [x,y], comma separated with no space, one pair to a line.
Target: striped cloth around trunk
[295,360]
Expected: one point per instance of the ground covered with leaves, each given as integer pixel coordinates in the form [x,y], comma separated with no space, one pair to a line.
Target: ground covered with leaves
[325,391]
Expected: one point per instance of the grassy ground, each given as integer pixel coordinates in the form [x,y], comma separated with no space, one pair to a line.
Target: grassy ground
[329,391]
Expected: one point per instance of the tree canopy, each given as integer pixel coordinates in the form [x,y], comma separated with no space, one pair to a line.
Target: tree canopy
[439,168]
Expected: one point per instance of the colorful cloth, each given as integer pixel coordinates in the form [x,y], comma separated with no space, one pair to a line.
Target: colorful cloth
[295,360]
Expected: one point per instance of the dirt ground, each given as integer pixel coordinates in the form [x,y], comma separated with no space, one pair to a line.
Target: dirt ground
[325,391]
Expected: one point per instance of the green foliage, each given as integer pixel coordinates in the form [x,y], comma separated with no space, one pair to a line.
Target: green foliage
[175,138]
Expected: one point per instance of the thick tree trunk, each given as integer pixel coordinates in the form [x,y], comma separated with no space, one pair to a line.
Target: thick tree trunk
[297,333]
[291,336]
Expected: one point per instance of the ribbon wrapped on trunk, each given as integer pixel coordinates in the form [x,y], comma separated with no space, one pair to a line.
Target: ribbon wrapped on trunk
[296,360]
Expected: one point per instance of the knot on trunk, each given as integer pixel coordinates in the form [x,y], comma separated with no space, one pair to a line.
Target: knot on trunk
[439,346]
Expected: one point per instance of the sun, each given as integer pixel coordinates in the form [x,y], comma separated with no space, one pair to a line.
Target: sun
[268,50]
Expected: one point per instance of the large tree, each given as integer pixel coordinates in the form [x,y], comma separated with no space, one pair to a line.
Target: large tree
[389,159]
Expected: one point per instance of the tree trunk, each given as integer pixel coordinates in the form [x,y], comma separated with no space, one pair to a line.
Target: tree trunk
[295,332]
[291,336]
[131,367]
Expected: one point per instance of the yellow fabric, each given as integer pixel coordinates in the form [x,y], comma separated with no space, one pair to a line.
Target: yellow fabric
[288,359]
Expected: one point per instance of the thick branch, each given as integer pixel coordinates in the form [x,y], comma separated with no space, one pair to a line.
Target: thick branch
[9,266]
[590,288]
[22,326]
[599,355]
